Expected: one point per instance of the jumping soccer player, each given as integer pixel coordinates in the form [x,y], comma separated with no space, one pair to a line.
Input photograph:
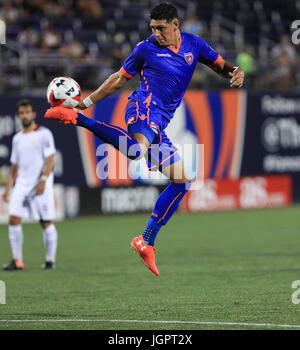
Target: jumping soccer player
[165,62]
[31,174]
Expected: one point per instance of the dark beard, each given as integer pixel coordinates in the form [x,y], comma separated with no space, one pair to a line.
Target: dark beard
[27,123]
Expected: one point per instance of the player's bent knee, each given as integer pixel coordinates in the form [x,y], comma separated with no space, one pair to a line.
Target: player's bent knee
[180,181]
[45,224]
[135,153]
[14,220]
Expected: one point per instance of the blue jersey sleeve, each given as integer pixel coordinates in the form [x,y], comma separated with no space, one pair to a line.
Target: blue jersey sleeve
[134,63]
[207,55]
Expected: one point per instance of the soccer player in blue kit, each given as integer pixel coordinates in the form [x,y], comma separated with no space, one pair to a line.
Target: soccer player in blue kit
[165,62]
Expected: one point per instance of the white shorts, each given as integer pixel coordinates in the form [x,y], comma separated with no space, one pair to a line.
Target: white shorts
[28,205]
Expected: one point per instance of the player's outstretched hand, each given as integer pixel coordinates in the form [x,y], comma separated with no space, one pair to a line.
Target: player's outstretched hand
[81,105]
[40,188]
[5,196]
[237,78]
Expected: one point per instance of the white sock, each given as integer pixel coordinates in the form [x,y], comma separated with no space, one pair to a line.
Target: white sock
[50,240]
[15,234]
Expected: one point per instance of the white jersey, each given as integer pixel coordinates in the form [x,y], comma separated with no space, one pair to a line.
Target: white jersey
[29,153]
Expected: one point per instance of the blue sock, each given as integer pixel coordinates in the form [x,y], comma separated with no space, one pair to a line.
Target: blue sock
[151,231]
[111,134]
[165,207]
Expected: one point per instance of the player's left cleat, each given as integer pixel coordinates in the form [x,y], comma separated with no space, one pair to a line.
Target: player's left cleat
[14,265]
[63,114]
[49,265]
[146,252]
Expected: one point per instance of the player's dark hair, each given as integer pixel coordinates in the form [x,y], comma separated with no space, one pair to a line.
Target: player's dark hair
[25,103]
[165,11]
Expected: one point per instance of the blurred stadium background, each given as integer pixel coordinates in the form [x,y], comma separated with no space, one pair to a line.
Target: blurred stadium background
[89,39]
[251,136]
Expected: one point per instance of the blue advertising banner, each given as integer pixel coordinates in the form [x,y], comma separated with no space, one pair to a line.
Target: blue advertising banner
[272,137]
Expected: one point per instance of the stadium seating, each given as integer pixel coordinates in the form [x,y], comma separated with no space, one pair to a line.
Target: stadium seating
[111,36]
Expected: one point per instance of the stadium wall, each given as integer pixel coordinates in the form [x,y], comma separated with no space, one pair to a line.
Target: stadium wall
[244,135]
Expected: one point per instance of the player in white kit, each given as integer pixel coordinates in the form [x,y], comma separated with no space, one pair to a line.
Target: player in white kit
[31,182]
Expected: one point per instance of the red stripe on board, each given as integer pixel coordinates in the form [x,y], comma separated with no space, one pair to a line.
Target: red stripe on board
[239,138]
[230,108]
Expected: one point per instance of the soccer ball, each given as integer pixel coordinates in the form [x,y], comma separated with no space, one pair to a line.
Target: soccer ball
[63,91]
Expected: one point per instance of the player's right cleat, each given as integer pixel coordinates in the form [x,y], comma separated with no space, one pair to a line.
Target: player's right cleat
[49,265]
[63,114]
[146,252]
[14,265]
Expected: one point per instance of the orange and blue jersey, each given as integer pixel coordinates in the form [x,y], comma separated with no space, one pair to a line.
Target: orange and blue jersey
[165,73]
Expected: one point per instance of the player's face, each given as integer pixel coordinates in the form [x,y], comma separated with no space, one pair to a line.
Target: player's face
[164,32]
[26,115]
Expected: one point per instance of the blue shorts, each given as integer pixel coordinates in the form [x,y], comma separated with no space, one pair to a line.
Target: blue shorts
[151,123]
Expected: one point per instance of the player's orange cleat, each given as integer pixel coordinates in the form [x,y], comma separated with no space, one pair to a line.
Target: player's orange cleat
[15,264]
[66,115]
[147,253]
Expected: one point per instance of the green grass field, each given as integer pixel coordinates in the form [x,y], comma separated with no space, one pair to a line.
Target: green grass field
[215,267]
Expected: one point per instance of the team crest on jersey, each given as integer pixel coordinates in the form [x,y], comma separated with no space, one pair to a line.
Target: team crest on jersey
[189,57]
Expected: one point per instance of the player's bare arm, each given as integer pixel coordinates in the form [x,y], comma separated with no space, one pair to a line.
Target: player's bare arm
[11,180]
[115,82]
[49,164]
[227,70]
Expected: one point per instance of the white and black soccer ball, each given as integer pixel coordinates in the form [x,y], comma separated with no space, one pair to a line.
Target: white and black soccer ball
[63,91]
